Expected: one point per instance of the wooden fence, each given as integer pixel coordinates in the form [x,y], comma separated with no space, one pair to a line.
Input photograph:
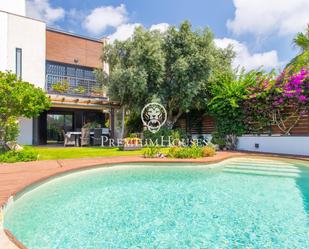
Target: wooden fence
[205,124]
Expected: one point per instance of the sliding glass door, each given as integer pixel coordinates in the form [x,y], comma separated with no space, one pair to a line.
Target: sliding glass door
[57,123]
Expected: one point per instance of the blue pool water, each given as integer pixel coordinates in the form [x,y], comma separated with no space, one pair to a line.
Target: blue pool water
[243,203]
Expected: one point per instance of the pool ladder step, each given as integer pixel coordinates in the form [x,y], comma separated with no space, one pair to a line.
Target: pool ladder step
[263,168]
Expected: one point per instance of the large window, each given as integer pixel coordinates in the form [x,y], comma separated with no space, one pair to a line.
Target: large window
[79,72]
[57,123]
[18,66]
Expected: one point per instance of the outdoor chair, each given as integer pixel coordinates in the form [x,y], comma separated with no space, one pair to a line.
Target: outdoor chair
[97,137]
[69,139]
[85,137]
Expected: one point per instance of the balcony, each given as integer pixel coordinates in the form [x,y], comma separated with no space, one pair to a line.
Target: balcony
[74,86]
[72,80]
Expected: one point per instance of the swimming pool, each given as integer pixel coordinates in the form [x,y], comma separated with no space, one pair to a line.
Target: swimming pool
[242,203]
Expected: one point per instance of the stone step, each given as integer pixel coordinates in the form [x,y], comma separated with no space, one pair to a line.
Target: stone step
[264,168]
[259,161]
[261,172]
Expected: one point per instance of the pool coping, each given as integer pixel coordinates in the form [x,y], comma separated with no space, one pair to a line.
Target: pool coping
[55,168]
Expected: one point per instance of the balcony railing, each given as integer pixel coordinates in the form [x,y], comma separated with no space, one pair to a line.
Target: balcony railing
[74,86]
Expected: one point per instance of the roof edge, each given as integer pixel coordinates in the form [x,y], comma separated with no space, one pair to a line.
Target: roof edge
[75,35]
[27,17]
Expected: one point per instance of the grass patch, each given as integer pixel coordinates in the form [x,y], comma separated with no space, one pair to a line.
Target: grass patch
[49,153]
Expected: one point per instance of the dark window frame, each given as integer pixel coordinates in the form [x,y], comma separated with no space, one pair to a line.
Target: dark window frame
[74,67]
[18,62]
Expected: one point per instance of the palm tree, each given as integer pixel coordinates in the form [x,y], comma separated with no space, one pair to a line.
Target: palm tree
[301,40]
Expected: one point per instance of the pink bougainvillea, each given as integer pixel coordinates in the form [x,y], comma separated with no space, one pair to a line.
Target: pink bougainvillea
[297,87]
[277,101]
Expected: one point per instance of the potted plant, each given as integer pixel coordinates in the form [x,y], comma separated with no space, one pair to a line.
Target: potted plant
[97,91]
[79,90]
[61,86]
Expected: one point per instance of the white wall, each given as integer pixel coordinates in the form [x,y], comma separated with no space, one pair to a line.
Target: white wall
[14,6]
[275,144]
[26,131]
[3,40]
[29,35]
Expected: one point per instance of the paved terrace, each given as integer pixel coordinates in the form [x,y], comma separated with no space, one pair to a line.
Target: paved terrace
[16,177]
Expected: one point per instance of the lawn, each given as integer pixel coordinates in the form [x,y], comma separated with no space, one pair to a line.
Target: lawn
[50,153]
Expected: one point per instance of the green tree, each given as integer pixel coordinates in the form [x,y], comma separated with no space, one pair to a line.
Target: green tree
[300,61]
[301,40]
[17,99]
[136,69]
[174,68]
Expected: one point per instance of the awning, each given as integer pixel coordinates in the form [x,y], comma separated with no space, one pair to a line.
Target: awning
[81,102]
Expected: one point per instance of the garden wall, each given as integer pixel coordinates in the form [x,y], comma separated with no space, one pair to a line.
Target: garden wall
[205,124]
[293,145]
[297,143]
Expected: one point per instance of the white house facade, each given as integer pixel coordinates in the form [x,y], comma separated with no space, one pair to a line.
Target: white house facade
[46,57]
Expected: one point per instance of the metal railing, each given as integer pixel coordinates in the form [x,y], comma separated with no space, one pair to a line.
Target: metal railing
[74,86]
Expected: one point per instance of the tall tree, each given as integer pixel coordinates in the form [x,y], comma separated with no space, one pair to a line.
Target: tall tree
[174,68]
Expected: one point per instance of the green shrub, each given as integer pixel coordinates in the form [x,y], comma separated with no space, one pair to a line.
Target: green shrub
[79,90]
[175,135]
[12,156]
[61,86]
[218,139]
[133,123]
[152,152]
[209,151]
[297,63]
[185,152]
[163,132]
[173,151]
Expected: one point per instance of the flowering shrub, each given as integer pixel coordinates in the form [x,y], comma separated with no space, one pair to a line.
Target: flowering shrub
[152,152]
[185,152]
[132,141]
[295,88]
[279,101]
[209,151]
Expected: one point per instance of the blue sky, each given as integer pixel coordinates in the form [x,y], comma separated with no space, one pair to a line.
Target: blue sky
[260,31]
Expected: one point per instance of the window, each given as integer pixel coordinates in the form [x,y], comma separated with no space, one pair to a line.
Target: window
[60,69]
[18,69]
[57,122]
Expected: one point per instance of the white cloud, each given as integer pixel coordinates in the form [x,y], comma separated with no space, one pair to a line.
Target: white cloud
[75,14]
[162,27]
[123,32]
[267,16]
[247,60]
[42,10]
[105,17]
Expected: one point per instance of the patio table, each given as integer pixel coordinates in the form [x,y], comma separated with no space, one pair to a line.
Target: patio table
[105,131]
